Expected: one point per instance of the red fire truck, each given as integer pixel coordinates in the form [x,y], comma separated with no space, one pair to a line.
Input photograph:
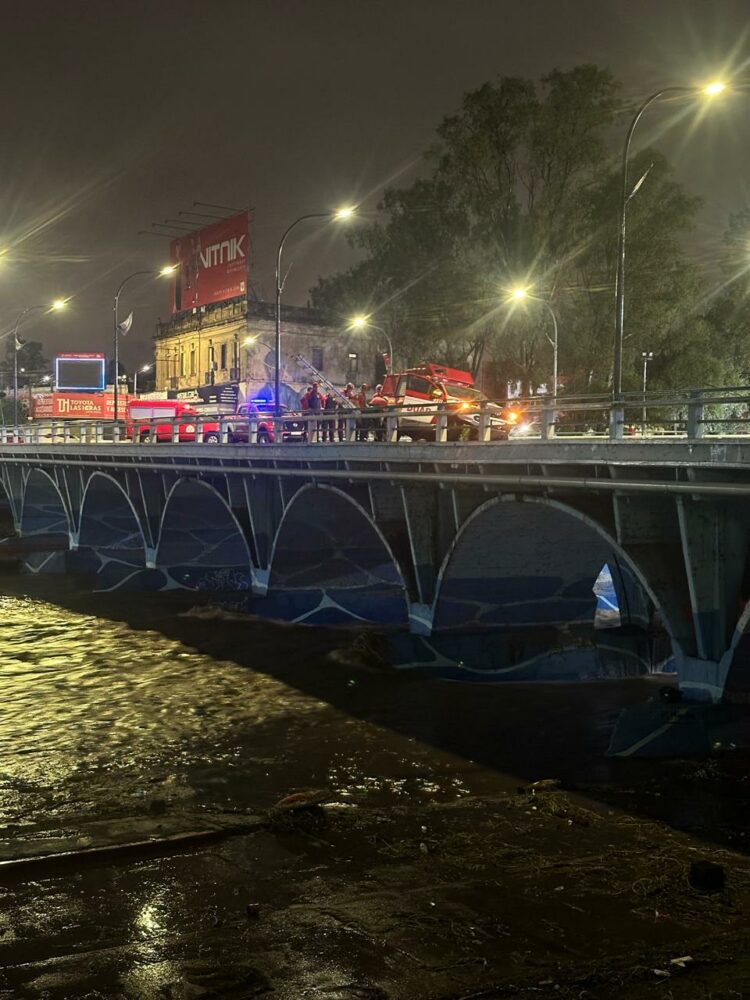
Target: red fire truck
[429,384]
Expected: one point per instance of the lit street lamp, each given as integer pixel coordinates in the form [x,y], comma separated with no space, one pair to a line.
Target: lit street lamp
[363,322]
[162,273]
[647,356]
[519,295]
[341,215]
[56,306]
[711,90]
[143,370]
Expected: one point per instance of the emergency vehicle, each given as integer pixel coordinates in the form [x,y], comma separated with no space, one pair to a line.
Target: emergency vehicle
[143,415]
[427,385]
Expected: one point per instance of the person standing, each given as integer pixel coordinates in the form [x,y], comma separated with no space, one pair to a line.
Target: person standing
[329,424]
[379,402]
[313,408]
[360,401]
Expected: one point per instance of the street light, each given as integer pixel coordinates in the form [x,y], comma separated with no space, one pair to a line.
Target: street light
[143,370]
[647,356]
[56,306]
[363,322]
[709,90]
[519,294]
[161,273]
[340,215]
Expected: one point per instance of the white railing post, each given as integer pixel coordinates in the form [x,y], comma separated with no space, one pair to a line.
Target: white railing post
[548,423]
[485,427]
[224,430]
[174,421]
[66,432]
[391,428]
[441,428]
[616,422]
[695,422]
[98,432]
[116,432]
[252,430]
[199,431]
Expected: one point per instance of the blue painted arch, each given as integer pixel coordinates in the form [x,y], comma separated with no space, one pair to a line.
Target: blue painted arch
[331,564]
[43,510]
[201,544]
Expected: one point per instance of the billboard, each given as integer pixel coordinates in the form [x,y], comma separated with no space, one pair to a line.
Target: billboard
[82,405]
[211,264]
[80,371]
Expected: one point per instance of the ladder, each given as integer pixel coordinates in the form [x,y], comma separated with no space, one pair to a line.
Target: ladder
[304,363]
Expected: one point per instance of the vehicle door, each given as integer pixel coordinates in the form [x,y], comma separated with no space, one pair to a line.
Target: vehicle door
[419,393]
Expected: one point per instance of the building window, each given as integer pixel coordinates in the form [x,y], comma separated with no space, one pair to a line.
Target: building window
[211,357]
[182,364]
[317,358]
[352,367]
[192,361]
[223,356]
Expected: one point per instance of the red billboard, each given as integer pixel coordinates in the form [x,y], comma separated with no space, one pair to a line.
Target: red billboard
[81,405]
[212,264]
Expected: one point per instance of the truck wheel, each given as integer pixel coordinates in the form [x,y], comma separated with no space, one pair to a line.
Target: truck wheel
[145,437]
[211,438]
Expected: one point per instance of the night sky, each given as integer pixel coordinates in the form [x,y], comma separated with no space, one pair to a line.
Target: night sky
[117,115]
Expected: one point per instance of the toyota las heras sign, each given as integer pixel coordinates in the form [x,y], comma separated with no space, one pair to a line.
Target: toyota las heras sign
[211,264]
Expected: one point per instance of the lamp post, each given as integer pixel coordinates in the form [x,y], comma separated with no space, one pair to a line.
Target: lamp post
[363,322]
[711,90]
[56,306]
[647,356]
[341,215]
[161,273]
[143,370]
[518,295]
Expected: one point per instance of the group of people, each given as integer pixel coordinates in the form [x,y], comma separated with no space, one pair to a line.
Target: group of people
[314,400]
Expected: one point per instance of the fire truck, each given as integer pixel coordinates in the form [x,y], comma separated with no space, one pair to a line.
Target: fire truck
[419,389]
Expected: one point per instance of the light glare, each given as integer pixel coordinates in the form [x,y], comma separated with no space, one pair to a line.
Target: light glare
[519,293]
[714,88]
[168,269]
[59,304]
[359,322]
[342,214]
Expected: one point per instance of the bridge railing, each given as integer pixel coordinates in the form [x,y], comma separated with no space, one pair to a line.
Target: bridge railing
[715,412]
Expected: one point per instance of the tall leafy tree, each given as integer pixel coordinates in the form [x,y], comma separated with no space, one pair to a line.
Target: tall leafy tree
[521,188]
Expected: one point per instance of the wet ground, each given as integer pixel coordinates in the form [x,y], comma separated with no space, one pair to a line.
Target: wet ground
[144,751]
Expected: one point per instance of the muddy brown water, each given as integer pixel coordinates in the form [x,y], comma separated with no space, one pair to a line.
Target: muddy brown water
[113,703]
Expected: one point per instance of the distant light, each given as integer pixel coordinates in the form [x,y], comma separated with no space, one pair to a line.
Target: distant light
[249,340]
[714,88]
[342,214]
[359,322]
[168,269]
[59,304]
[519,293]
[46,378]
[147,368]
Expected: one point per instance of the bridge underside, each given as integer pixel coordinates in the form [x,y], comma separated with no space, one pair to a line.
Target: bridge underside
[477,572]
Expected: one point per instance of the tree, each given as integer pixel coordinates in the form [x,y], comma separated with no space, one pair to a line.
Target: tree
[520,188]
[30,358]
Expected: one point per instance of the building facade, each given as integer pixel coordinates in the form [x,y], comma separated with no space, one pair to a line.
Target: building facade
[233,343]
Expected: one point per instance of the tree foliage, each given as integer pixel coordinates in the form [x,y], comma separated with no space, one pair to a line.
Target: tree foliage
[522,187]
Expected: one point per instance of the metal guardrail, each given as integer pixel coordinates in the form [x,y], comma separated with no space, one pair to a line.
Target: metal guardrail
[695,414]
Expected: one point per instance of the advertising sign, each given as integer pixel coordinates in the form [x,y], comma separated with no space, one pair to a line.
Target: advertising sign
[80,371]
[77,405]
[211,264]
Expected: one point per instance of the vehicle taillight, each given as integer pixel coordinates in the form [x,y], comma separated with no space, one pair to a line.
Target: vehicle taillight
[512,416]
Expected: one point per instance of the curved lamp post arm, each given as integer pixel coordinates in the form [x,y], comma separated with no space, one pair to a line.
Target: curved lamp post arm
[116,351]
[21,316]
[625,195]
[380,329]
[279,290]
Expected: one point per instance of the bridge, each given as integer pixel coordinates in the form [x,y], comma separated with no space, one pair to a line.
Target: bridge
[478,558]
